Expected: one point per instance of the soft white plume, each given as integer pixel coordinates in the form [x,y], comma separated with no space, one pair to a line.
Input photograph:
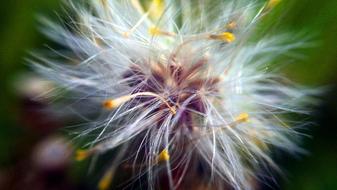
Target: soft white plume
[183,86]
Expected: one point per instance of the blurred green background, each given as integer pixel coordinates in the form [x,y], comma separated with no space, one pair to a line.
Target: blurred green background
[318,170]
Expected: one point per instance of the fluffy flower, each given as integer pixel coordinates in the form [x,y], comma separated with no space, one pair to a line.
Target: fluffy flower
[179,90]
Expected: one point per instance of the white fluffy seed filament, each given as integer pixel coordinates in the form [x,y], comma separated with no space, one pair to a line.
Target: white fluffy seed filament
[137,5]
[242,118]
[140,21]
[156,31]
[114,103]
[155,10]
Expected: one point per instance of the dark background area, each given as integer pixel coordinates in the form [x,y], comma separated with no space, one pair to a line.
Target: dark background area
[21,129]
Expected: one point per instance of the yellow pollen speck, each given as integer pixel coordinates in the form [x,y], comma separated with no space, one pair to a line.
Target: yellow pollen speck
[243,117]
[106,180]
[154,31]
[126,34]
[225,36]
[82,155]
[272,3]
[164,156]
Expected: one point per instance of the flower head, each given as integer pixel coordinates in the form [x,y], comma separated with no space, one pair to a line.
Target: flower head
[179,88]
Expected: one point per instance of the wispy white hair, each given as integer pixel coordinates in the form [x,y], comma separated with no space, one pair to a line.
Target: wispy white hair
[224,116]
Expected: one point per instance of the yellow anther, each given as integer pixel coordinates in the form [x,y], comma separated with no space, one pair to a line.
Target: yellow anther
[106,180]
[114,103]
[272,3]
[231,25]
[163,156]
[82,155]
[243,117]
[109,104]
[225,36]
